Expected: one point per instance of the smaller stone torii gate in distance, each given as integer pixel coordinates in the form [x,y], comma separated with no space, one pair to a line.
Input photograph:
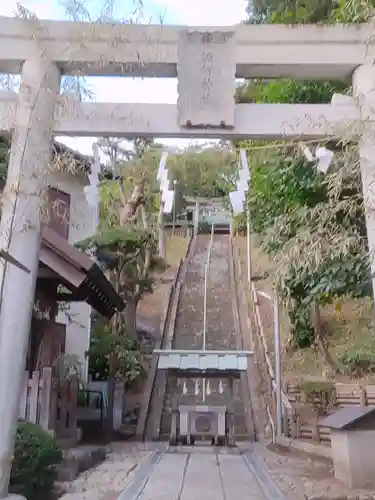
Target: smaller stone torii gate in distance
[202,421]
[206,62]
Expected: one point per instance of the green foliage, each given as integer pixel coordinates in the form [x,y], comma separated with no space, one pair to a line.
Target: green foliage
[313,225]
[123,251]
[315,232]
[239,224]
[295,182]
[310,11]
[106,343]
[288,91]
[321,394]
[303,332]
[207,173]
[36,458]
[359,362]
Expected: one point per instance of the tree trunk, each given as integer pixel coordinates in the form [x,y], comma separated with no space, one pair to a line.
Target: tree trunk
[129,318]
[320,341]
[111,398]
[129,209]
[161,232]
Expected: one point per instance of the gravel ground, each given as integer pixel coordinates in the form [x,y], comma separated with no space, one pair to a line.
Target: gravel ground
[107,480]
[303,478]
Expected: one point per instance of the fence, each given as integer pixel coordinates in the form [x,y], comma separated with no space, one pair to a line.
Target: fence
[295,423]
[35,403]
[264,362]
[345,395]
[182,232]
[50,403]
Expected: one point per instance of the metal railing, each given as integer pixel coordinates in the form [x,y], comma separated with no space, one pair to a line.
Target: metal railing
[206,275]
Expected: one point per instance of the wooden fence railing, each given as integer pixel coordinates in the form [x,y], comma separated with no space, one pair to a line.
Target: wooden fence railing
[182,232]
[345,394]
[50,403]
[35,402]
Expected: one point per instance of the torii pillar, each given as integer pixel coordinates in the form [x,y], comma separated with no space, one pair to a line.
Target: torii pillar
[364,92]
[20,234]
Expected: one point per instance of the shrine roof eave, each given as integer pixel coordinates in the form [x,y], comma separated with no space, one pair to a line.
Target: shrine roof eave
[262,51]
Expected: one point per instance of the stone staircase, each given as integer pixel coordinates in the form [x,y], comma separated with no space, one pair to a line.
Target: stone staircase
[220,333]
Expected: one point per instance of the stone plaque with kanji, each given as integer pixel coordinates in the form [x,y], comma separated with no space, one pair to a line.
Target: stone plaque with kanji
[206,79]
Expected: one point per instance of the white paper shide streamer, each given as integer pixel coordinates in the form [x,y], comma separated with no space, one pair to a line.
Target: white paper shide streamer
[237,198]
[167,195]
[323,157]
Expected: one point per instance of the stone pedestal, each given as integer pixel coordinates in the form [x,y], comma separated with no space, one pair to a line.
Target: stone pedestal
[204,421]
[20,234]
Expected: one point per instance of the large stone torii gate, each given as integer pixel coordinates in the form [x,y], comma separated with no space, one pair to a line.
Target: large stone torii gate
[206,62]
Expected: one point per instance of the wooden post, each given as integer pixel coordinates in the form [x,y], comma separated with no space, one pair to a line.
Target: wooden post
[34,396]
[72,415]
[362,396]
[53,406]
[230,414]
[298,427]
[286,431]
[293,425]
[45,399]
[63,405]
[173,435]
[24,396]
[315,431]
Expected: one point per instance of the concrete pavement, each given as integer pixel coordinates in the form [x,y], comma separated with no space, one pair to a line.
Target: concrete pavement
[191,475]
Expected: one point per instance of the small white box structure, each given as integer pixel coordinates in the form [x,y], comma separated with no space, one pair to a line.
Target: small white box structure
[353,444]
[202,421]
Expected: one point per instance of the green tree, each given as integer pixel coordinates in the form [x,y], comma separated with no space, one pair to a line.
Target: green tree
[313,225]
[309,11]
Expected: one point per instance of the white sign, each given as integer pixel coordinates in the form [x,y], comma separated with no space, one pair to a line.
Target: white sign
[206,78]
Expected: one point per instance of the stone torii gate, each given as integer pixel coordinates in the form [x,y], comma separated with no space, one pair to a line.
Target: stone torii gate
[206,62]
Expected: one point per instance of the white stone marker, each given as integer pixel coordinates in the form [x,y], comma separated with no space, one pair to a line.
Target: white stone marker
[206,79]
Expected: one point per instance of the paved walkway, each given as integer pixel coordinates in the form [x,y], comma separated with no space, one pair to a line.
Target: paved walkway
[190,475]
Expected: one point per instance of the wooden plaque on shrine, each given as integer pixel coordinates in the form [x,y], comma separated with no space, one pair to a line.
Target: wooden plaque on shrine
[206,79]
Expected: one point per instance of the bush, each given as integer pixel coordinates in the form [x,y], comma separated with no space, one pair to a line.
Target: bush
[239,225]
[358,363]
[35,462]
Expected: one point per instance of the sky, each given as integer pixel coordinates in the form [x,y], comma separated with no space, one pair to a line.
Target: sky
[151,90]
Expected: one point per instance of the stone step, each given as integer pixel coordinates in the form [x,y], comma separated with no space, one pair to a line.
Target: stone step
[220,332]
